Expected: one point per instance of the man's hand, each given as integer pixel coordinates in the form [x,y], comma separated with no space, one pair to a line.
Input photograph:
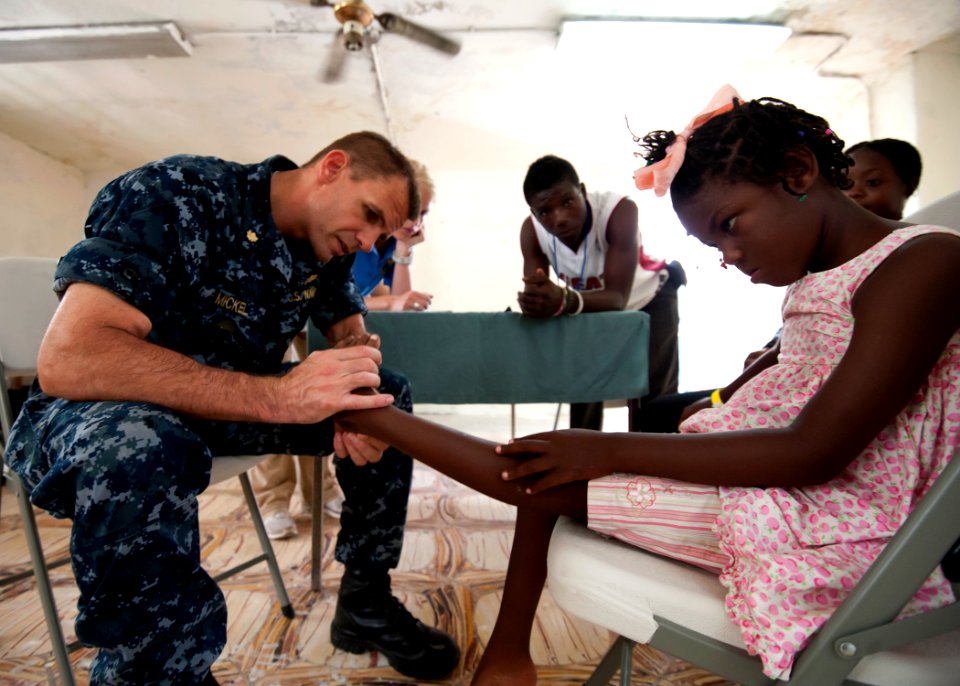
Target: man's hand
[359,448]
[323,384]
[540,297]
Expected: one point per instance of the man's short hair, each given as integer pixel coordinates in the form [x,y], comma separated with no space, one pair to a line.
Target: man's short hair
[372,156]
[546,173]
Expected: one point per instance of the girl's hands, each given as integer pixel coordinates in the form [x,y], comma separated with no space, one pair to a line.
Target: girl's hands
[555,458]
[694,407]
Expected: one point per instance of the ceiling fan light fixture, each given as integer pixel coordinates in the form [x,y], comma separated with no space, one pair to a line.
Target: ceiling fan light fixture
[93,41]
[353,35]
[700,43]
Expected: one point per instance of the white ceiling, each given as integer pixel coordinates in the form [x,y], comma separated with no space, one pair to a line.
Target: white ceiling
[253,86]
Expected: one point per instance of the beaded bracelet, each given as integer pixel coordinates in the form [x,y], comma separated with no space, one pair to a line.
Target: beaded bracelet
[563,302]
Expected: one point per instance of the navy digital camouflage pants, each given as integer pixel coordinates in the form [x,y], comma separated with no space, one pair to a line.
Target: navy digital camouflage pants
[128,474]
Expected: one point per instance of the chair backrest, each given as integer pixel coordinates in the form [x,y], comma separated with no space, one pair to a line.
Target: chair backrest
[27,302]
[890,582]
[942,212]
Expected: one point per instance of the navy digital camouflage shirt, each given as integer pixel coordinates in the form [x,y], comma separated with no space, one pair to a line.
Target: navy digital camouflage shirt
[190,242]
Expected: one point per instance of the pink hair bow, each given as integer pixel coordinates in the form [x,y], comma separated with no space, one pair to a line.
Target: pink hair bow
[659,175]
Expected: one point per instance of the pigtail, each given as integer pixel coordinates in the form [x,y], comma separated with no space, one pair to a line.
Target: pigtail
[655,145]
[750,143]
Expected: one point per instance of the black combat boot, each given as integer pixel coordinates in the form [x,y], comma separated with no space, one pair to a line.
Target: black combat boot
[368,617]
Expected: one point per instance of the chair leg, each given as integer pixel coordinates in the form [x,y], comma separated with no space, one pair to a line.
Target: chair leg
[633,415]
[618,657]
[316,524]
[269,557]
[57,642]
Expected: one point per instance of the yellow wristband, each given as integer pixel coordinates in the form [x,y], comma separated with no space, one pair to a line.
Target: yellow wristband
[715,398]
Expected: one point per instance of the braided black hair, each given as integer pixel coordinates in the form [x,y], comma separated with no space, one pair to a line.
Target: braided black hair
[750,143]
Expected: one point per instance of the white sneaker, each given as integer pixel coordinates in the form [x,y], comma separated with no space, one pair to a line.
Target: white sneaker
[334,504]
[279,525]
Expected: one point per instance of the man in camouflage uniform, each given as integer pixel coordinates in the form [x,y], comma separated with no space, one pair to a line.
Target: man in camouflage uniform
[167,350]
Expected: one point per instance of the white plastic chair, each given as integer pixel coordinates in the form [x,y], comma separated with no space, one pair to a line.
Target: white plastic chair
[679,609]
[27,302]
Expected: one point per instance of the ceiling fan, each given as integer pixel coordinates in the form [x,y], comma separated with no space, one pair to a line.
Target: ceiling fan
[358,31]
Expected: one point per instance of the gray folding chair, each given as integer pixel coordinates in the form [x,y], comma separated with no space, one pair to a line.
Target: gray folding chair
[679,609]
[942,212]
[27,303]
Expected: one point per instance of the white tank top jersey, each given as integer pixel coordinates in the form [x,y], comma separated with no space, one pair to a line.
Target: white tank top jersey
[583,269]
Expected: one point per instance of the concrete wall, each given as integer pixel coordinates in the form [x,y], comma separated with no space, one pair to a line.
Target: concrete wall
[927,79]
[44,202]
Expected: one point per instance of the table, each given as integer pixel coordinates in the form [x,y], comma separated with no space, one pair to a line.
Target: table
[503,358]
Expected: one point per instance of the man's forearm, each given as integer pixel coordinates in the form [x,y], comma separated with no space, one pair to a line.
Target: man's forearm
[123,367]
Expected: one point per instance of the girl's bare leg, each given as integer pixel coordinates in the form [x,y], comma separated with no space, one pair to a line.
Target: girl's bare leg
[507,659]
[472,461]
[468,459]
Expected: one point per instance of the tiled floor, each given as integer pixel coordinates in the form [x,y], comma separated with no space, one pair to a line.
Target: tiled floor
[450,575]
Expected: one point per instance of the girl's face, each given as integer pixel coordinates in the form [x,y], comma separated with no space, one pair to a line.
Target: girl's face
[876,186]
[761,230]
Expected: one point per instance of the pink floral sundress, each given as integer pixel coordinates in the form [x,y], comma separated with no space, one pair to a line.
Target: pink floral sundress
[796,552]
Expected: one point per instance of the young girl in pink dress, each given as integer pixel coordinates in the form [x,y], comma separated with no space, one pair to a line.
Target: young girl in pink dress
[790,486]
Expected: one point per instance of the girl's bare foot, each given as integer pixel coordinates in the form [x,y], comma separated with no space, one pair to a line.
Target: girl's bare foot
[515,671]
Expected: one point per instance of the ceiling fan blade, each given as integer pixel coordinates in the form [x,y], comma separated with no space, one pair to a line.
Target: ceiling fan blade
[393,23]
[336,57]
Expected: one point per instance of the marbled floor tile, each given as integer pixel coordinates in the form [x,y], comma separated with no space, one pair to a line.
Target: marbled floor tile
[450,575]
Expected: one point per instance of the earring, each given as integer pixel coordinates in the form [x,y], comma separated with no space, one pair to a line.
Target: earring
[801,198]
[722,263]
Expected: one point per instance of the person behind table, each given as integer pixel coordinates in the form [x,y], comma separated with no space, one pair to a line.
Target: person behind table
[885,173]
[166,350]
[383,274]
[591,241]
[762,182]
